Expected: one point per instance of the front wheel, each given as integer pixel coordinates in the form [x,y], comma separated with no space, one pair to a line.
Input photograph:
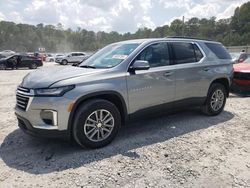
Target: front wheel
[33,66]
[2,67]
[64,62]
[216,100]
[97,122]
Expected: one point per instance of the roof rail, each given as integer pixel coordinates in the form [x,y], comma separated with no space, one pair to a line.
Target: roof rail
[186,37]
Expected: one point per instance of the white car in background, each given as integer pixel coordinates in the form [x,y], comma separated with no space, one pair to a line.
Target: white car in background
[73,57]
[50,58]
[7,53]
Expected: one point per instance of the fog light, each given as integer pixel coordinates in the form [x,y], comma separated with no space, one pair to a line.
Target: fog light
[49,117]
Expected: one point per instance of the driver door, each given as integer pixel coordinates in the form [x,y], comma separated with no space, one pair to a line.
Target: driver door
[153,88]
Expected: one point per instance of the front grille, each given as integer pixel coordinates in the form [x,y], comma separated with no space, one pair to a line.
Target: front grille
[26,90]
[22,98]
[242,76]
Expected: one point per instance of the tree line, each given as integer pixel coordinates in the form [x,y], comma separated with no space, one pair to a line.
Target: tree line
[24,37]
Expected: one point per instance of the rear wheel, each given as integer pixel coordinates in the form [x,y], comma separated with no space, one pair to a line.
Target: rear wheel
[64,62]
[216,100]
[2,67]
[97,122]
[33,66]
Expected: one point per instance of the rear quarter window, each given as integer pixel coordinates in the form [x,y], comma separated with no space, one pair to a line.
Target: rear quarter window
[219,50]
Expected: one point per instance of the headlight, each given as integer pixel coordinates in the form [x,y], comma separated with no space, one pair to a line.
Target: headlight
[54,92]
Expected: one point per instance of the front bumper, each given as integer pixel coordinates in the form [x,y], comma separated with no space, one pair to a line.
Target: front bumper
[26,126]
[42,116]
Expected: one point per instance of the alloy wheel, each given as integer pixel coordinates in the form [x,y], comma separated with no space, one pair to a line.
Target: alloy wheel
[99,125]
[217,100]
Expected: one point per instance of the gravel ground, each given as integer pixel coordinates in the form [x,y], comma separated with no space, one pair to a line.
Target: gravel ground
[185,149]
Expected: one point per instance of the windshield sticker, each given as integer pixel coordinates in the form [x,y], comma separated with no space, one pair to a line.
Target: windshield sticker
[119,56]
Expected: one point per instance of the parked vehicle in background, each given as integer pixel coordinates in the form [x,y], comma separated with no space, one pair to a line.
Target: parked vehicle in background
[59,55]
[73,57]
[85,58]
[7,53]
[241,78]
[50,58]
[20,61]
[41,56]
[235,56]
[1,56]
[121,81]
[243,57]
[239,57]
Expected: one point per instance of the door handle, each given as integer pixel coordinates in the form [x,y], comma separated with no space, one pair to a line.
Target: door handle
[206,69]
[166,74]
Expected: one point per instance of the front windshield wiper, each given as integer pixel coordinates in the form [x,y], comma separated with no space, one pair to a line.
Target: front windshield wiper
[87,66]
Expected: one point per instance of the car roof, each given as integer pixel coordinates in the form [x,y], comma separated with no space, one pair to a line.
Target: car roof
[186,39]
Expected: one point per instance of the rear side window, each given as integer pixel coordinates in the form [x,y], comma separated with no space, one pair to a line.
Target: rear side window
[184,52]
[219,50]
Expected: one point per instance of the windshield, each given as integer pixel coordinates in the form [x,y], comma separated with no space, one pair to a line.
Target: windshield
[110,56]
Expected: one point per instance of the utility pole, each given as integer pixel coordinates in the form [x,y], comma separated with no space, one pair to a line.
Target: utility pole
[183,25]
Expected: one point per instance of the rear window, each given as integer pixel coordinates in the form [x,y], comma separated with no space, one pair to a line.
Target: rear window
[219,50]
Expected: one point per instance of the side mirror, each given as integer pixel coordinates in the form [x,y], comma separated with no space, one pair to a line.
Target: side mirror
[140,65]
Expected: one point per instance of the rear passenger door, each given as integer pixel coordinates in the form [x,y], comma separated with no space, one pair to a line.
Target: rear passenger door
[192,78]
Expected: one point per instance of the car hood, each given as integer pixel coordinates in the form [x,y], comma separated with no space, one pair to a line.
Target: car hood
[242,67]
[47,76]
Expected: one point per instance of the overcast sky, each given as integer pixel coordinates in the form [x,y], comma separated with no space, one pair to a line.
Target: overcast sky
[112,15]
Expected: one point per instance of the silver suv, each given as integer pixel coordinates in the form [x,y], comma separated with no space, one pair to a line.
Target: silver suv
[73,57]
[90,102]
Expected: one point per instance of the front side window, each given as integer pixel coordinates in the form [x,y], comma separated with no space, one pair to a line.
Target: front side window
[13,58]
[156,54]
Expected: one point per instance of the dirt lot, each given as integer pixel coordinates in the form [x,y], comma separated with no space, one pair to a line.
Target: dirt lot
[186,149]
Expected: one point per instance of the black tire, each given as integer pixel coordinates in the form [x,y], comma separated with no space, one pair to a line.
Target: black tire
[33,66]
[3,67]
[84,112]
[51,60]
[208,108]
[64,62]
